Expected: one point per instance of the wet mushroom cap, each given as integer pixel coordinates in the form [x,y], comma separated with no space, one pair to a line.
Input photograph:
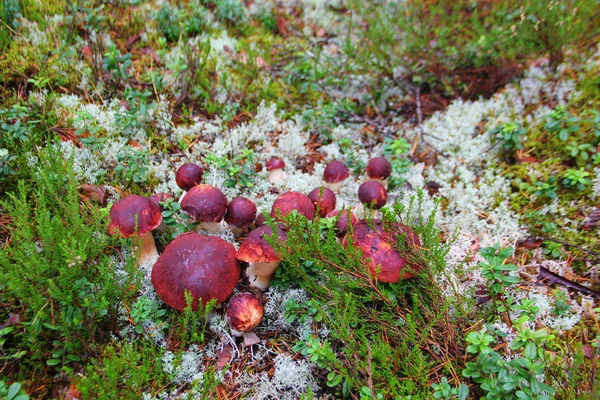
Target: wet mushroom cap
[134,215]
[275,163]
[325,201]
[379,168]
[206,266]
[244,312]
[372,193]
[189,175]
[286,202]
[160,197]
[205,203]
[260,220]
[385,264]
[240,212]
[342,224]
[335,171]
[256,248]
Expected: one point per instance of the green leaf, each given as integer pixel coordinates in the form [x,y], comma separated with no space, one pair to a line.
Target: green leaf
[53,361]
[13,390]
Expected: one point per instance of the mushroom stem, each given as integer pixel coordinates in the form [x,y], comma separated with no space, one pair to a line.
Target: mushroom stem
[277,175]
[148,248]
[260,273]
[336,186]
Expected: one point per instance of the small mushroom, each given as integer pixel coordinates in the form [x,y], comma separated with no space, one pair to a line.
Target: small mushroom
[159,198]
[346,218]
[205,266]
[324,200]
[241,212]
[286,202]
[372,194]
[207,205]
[136,216]
[189,175]
[334,174]
[260,220]
[379,168]
[260,256]
[244,313]
[275,167]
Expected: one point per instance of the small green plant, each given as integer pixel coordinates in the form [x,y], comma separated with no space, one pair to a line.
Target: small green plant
[580,151]
[116,63]
[176,219]
[396,152]
[6,159]
[562,121]
[301,311]
[321,353]
[510,135]
[13,392]
[545,189]
[17,124]
[146,310]
[240,169]
[444,390]
[577,178]
[132,167]
[496,271]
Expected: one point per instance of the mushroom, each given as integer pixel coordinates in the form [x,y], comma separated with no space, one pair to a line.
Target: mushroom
[160,198]
[136,216]
[241,212]
[188,176]
[286,202]
[335,173]
[260,219]
[261,257]
[207,205]
[379,168]
[372,194]
[345,219]
[244,313]
[275,167]
[205,266]
[324,200]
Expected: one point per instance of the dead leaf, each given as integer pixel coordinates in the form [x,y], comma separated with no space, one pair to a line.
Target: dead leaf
[588,351]
[550,278]
[592,220]
[530,243]
[223,358]
[282,24]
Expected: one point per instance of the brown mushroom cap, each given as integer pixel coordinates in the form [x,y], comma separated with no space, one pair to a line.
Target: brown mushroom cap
[134,215]
[344,220]
[335,171]
[325,202]
[160,197]
[203,265]
[205,203]
[244,312]
[286,202]
[372,193]
[379,168]
[275,163]
[189,175]
[256,248]
[241,212]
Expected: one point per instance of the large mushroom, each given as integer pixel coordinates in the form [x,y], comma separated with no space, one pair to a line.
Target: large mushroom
[334,174]
[324,200]
[244,313]
[136,216]
[207,205]
[287,202]
[275,167]
[205,266]
[260,256]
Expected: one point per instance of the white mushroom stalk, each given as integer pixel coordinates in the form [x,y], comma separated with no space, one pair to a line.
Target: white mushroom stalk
[260,273]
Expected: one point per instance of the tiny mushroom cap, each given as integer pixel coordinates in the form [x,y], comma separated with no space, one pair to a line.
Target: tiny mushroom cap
[379,168]
[342,224]
[261,257]
[244,313]
[260,220]
[207,205]
[324,199]
[160,197]
[205,266]
[189,175]
[335,173]
[286,202]
[372,193]
[241,212]
[136,215]
[275,167]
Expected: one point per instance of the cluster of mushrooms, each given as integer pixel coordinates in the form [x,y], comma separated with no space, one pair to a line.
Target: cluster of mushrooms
[209,267]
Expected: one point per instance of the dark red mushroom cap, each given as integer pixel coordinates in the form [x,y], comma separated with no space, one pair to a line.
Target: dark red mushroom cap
[134,215]
[275,163]
[160,197]
[325,202]
[203,265]
[344,220]
[410,236]
[244,312]
[205,203]
[189,175]
[335,171]
[385,264]
[241,212]
[379,168]
[372,193]
[286,202]
[260,220]
[256,248]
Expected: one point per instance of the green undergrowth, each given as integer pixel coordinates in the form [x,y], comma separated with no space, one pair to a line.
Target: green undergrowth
[59,284]
[389,340]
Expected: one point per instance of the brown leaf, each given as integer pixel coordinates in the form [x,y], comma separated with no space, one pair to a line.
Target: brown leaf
[550,278]
[588,351]
[86,51]
[592,220]
[223,358]
[529,243]
[282,24]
